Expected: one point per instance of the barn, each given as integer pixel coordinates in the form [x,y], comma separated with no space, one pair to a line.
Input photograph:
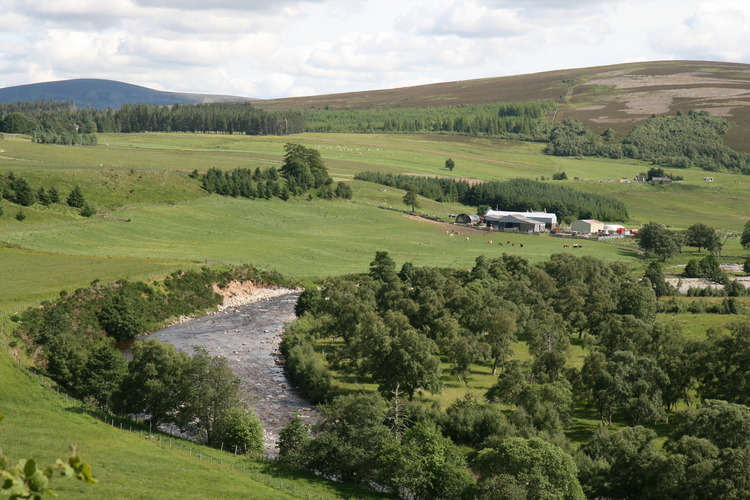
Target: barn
[519,223]
[587,226]
[471,219]
[548,219]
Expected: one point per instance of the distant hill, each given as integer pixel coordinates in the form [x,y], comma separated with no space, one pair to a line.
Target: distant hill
[618,96]
[102,94]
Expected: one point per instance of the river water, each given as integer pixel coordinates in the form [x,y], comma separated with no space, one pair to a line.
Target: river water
[248,337]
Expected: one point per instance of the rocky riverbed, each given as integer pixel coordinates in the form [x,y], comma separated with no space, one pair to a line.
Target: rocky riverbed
[246,331]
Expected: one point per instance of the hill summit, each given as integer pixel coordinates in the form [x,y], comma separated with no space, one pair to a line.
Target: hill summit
[102,94]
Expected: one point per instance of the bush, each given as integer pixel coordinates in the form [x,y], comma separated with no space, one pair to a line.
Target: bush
[87,210]
[239,430]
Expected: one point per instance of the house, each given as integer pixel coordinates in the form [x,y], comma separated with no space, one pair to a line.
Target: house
[587,226]
[492,217]
[519,223]
[661,179]
[471,219]
[641,177]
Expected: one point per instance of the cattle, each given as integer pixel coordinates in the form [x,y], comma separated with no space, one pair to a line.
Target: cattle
[566,246]
[500,243]
[521,245]
[489,242]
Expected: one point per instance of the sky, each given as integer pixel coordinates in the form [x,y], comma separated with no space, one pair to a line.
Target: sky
[289,48]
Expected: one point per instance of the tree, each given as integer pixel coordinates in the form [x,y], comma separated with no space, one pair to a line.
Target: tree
[725,365]
[209,392]
[383,267]
[463,352]
[54,195]
[655,276]
[305,167]
[75,198]
[153,382]
[745,238]
[411,198]
[123,311]
[654,239]
[240,430]
[450,164]
[43,197]
[343,190]
[20,216]
[428,465]
[22,193]
[701,236]
[544,469]
[293,438]
[101,374]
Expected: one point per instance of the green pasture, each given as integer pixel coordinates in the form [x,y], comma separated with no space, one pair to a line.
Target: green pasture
[297,238]
[29,277]
[124,168]
[42,424]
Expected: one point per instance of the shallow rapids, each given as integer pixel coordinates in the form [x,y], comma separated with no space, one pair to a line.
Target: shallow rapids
[248,337]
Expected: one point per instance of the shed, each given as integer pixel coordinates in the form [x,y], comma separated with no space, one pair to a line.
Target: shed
[468,219]
[587,226]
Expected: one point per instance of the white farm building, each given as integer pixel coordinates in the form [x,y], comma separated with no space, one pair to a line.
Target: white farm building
[494,217]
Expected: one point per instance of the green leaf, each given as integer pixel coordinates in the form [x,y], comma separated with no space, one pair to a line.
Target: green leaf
[29,468]
[38,481]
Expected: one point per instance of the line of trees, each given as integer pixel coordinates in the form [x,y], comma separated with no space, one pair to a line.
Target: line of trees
[392,327]
[16,189]
[523,121]
[516,194]
[303,172]
[63,123]
[677,141]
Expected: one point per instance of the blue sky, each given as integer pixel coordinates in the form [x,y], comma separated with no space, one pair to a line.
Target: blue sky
[282,48]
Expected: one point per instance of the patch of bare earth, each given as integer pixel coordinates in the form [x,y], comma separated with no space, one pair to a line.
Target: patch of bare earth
[237,293]
[676,80]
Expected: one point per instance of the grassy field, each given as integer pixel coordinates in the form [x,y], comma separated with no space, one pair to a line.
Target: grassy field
[41,424]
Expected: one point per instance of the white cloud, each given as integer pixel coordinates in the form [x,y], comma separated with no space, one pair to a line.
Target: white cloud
[713,32]
[472,20]
[301,47]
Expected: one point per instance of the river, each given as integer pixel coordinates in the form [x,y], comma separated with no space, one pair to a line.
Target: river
[248,337]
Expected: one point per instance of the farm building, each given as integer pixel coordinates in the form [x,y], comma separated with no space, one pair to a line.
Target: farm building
[587,226]
[518,223]
[468,219]
[548,219]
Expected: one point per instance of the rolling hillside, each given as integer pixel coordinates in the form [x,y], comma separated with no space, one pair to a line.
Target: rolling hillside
[618,96]
[102,94]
